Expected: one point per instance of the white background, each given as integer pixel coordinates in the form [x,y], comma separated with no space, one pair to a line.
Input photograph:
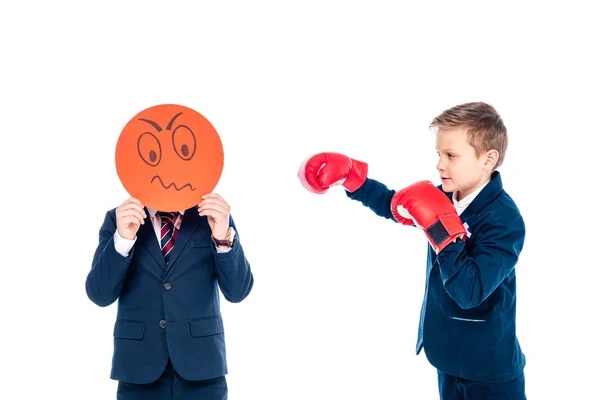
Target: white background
[335,306]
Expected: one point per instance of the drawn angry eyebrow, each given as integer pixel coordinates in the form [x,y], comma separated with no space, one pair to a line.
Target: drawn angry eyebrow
[154,124]
[157,127]
[173,120]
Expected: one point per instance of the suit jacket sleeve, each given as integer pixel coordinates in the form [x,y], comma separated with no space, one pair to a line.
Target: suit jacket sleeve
[376,196]
[233,271]
[109,268]
[471,277]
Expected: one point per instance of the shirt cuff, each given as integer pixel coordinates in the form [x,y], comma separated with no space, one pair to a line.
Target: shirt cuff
[219,250]
[123,246]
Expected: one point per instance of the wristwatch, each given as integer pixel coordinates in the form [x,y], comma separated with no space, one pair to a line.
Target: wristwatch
[229,238]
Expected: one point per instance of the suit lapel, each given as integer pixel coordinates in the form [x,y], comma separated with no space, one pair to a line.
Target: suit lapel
[147,237]
[190,222]
[484,198]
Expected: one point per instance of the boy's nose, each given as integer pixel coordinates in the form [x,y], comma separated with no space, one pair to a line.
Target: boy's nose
[440,166]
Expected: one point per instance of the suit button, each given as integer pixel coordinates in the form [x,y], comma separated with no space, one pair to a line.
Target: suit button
[162,323]
[167,286]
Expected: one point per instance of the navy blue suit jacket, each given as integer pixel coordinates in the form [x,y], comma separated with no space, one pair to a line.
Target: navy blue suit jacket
[168,311]
[467,325]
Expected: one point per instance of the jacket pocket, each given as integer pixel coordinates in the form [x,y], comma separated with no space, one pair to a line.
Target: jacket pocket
[129,330]
[206,327]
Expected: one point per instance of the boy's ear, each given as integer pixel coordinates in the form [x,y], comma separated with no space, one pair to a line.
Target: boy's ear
[491,158]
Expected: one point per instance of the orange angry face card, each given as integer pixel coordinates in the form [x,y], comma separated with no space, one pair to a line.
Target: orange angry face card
[168,156]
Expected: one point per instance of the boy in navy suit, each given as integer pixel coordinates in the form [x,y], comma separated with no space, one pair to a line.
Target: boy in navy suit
[166,269]
[467,325]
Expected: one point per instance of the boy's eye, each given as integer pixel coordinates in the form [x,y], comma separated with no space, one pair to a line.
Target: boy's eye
[450,155]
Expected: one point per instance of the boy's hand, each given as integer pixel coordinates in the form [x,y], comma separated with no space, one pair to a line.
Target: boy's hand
[216,210]
[430,209]
[130,215]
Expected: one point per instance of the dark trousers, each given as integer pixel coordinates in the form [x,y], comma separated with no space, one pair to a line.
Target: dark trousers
[171,386]
[453,388]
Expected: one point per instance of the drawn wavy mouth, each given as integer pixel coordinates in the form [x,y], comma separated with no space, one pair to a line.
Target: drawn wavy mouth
[171,184]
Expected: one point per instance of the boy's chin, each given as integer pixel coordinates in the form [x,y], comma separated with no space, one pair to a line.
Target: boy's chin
[448,187]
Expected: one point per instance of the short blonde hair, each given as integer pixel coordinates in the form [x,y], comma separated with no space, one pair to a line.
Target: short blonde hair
[485,129]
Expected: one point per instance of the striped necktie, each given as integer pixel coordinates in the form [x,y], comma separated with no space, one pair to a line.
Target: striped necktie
[168,233]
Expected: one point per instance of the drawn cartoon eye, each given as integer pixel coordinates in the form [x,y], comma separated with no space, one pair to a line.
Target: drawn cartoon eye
[184,142]
[149,149]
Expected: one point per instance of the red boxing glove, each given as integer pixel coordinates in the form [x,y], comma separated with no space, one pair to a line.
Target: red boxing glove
[431,210]
[321,171]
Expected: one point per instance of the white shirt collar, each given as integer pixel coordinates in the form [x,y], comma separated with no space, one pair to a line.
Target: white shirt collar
[464,203]
[153,212]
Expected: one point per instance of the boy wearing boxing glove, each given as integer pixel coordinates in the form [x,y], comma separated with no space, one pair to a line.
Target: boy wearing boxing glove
[476,234]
